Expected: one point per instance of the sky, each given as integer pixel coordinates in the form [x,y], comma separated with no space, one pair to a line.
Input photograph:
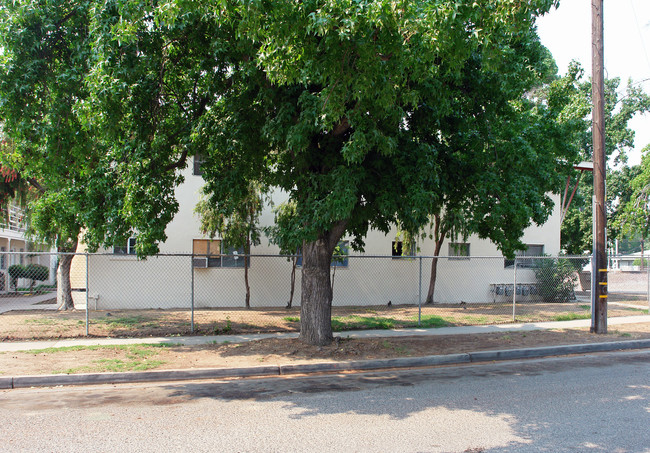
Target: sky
[566,32]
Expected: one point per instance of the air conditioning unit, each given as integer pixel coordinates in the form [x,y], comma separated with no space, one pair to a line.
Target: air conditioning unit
[200,263]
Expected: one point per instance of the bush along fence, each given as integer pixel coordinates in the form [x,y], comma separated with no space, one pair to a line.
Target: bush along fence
[119,294]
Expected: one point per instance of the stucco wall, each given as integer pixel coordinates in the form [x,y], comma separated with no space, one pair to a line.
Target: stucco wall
[166,281]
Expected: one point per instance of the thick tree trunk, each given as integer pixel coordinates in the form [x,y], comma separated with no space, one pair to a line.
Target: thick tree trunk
[294,262]
[316,298]
[66,302]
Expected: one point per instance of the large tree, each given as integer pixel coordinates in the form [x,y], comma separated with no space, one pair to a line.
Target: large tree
[342,104]
[84,185]
[632,218]
[42,65]
[524,123]
[621,105]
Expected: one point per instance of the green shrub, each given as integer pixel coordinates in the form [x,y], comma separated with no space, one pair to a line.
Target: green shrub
[37,272]
[16,271]
[637,262]
[556,279]
[34,272]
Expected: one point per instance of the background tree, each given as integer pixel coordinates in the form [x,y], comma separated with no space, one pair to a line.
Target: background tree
[44,58]
[283,234]
[238,225]
[633,219]
[620,108]
[514,136]
[87,179]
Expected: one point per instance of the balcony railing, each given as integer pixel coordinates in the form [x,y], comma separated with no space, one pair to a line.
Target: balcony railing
[14,219]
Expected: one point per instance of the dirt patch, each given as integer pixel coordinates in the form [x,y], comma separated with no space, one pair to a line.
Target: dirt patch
[284,351]
[49,324]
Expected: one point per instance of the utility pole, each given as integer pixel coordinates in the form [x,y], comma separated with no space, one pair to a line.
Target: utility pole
[599,294]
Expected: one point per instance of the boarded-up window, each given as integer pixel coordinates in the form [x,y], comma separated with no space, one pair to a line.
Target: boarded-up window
[207,253]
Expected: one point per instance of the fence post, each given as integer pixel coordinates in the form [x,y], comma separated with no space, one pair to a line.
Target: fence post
[87,297]
[592,263]
[514,292]
[420,294]
[192,296]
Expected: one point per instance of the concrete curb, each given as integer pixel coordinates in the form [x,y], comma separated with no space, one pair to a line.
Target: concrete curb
[6,382]
[360,365]
[314,368]
[52,380]
[549,351]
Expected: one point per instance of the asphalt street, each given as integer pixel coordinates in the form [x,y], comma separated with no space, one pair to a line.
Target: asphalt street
[598,402]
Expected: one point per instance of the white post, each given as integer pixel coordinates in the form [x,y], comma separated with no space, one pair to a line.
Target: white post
[87,298]
[420,295]
[514,292]
[192,294]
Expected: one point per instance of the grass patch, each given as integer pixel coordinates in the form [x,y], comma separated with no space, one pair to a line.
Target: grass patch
[399,349]
[434,321]
[355,322]
[129,348]
[585,307]
[113,365]
[126,322]
[137,358]
[476,319]
[571,316]
[358,322]
[225,329]
[41,321]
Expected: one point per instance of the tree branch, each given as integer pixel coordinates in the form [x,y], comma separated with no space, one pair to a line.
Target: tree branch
[36,185]
[341,128]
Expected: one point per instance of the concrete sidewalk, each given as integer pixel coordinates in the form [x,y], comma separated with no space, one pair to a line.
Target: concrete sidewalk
[15,382]
[214,339]
[11,303]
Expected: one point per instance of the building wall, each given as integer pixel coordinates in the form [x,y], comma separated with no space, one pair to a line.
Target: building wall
[119,281]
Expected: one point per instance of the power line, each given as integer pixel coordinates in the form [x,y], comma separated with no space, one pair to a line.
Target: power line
[638,29]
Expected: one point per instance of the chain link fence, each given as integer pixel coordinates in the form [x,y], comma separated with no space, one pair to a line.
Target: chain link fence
[182,294]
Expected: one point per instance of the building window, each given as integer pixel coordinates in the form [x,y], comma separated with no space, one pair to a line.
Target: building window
[232,257]
[531,250]
[128,249]
[213,253]
[199,159]
[22,257]
[459,250]
[398,251]
[3,258]
[207,253]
